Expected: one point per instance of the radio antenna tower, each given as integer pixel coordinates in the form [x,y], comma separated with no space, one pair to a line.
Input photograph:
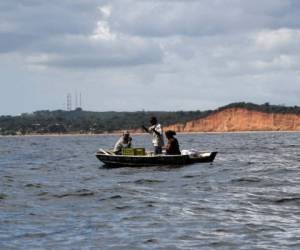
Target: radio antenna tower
[69,102]
[76,100]
[80,100]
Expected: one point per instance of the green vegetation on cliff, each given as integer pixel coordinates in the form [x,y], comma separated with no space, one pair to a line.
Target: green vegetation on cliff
[267,108]
[79,121]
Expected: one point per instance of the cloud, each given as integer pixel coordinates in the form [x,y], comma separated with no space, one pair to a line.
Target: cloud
[277,63]
[196,18]
[112,33]
[70,34]
[11,42]
[277,39]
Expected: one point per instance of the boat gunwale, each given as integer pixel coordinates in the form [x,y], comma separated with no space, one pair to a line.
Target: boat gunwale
[142,156]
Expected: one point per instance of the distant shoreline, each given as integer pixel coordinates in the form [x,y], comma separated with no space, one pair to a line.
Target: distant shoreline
[233,118]
[138,134]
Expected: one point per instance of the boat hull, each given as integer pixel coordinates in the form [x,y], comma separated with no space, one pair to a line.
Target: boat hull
[156,160]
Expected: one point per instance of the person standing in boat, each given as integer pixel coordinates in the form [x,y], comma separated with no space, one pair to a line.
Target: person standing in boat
[123,142]
[157,133]
[172,147]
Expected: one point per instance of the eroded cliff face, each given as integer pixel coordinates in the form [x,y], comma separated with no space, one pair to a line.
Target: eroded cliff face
[239,119]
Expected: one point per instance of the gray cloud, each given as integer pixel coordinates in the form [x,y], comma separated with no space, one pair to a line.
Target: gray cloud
[66,31]
[10,42]
[100,60]
[63,29]
[26,22]
[200,18]
[46,19]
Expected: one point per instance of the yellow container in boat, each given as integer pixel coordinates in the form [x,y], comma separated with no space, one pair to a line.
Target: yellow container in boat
[128,151]
[133,151]
[139,151]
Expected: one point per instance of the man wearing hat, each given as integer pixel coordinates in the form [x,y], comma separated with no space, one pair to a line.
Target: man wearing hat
[123,142]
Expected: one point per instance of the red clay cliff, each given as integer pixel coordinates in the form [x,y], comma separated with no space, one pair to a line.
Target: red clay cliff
[240,119]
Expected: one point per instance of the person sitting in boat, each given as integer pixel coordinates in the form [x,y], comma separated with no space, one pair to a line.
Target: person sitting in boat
[157,133]
[172,147]
[123,142]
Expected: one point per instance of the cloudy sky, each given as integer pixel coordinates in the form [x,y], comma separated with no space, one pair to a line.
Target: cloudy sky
[148,54]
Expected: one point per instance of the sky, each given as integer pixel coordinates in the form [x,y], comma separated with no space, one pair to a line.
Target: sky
[130,55]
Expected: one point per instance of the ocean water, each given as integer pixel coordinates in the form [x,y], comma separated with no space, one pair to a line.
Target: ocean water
[55,194]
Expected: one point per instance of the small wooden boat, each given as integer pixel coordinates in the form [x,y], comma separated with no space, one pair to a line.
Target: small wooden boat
[113,160]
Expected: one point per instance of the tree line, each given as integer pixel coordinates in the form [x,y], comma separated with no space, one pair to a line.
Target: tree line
[79,121]
[266,107]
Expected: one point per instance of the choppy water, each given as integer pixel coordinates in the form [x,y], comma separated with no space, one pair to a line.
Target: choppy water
[55,194]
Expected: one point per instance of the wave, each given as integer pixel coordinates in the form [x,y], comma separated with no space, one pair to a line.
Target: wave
[81,192]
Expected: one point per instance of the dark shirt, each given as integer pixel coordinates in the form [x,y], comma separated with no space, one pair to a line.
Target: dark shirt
[172,147]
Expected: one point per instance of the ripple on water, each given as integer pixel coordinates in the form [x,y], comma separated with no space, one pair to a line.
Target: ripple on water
[3,196]
[34,185]
[246,180]
[147,181]
[112,198]
[294,200]
[191,176]
[122,207]
[78,193]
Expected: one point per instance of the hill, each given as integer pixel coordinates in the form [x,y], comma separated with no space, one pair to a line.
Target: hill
[244,117]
